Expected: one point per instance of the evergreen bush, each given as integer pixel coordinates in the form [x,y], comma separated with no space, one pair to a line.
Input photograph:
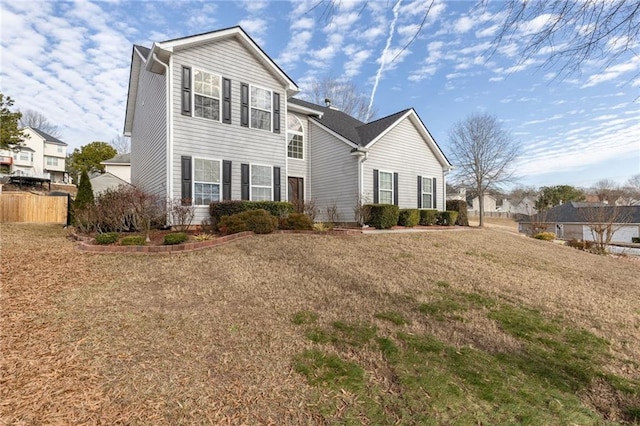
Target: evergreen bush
[383,216]
[428,217]
[175,238]
[409,217]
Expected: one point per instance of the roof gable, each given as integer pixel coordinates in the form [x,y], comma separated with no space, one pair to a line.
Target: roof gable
[47,137]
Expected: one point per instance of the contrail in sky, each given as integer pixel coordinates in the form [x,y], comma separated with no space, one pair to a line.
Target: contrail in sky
[383,57]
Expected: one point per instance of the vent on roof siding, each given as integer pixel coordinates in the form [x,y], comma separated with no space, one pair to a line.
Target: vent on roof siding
[333,107]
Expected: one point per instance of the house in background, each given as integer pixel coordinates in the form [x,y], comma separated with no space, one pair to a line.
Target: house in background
[456,193]
[571,221]
[212,117]
[489,204]
[40,156]
[525,206]
[119,166]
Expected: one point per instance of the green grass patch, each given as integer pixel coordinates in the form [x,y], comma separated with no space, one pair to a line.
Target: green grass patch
[304,317]
[442,284]
[353,334]
[442,309]
[329,370]
[393,317]
[318,335]
[387,347]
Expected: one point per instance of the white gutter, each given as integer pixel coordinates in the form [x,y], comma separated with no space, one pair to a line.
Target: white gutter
[363,155]
[169,151]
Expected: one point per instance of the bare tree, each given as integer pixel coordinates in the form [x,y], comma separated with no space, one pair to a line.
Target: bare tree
[36,120]
[604,221]
[631,190]
[483,153]
[571,33]
[343,94]
[607,191]
[122,144]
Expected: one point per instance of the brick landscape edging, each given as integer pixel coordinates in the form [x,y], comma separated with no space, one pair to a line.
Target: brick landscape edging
[87,245]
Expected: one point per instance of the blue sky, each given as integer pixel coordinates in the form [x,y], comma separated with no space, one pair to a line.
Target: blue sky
[70,61]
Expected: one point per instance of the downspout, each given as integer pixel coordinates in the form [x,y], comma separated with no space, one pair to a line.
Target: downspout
[169,166]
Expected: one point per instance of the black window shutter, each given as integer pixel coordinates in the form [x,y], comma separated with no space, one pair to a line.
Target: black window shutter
[419,192]
[276,184]
[244,104]
[276,113]
[435,195]
[226,180]
[186,181]
[395,189]
[375,186]
[244,181]
[226,101]
[186,91]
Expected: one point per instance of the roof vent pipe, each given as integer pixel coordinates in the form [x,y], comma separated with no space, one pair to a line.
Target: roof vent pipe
[327,102]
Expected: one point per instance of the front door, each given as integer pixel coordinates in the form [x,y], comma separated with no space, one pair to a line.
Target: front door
[296,193]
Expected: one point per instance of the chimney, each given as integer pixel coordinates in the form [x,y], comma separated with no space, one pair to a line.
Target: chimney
[327,102]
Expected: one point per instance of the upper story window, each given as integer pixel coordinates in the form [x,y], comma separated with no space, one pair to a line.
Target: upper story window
[60,149]
[206,181]
[25,156]
[261,106]
[295,133]
[206,95]
[385,187]
[52,161]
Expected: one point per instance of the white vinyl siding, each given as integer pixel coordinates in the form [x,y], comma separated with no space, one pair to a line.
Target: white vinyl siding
[427,192]
[385,187]
[206,95]
[403,150]
[261,183]
[260,105]
[214,139]
[206,181]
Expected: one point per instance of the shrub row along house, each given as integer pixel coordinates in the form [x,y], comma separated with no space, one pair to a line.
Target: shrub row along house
[212,117]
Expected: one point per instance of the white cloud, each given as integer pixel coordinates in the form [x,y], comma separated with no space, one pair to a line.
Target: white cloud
[256,28]
[613,72]
[463,25]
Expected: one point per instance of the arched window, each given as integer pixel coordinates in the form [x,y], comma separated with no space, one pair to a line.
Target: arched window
[295,133]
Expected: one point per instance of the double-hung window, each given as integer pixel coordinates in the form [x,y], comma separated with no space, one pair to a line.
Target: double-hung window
[296,137]
[427,193]
[206,181]
[385,188]
[206,95]
[261,183]
[261,108]
[52,161]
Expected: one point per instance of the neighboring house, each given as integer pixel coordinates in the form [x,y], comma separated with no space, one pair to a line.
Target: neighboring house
[102,182]
[40,156]
[489,203]
[212,117]
[459,193]
[524,206]
[571,221]
[119,166]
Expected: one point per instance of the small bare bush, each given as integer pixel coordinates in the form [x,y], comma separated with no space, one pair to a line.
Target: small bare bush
[182,213]
[333,215]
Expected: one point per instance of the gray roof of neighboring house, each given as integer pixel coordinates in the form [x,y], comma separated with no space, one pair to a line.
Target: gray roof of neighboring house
[143,50]
[120,159]
[105,181]
[575,212]
[47,137]
[349,127]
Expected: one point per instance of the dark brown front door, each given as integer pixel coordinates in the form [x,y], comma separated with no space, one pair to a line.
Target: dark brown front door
[296,192]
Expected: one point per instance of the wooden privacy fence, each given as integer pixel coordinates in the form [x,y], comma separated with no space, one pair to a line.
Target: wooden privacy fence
[33,208]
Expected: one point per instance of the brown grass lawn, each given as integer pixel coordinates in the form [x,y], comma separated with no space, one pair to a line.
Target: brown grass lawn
[208,338]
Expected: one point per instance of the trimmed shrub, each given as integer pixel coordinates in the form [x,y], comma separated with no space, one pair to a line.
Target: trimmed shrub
[545,236]
[447,218]
[383,216]
[409,217]
[219,209]
[635,240]
[107,238]
[296,221]
[258,221]
[459,206]
[133,240]
[580,244]
[428,217]
[175,238]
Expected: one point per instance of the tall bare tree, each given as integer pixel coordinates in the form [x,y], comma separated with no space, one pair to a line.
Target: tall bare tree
[122,144]
[343,94]
[631,190]
[604,221]
[607,191]
[483,153]
[38,121]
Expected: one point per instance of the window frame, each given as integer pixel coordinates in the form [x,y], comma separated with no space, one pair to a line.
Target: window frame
[423,192]
[380,190]
[194,70]
[51,161]
[291,133]
[194,181]
[251,108]
[251,184]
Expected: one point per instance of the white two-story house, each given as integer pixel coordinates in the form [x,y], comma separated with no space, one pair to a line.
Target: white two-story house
[40,155]
[212,117]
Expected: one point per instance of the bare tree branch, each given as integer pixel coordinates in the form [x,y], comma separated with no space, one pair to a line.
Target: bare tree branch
[36,120]
[344,95]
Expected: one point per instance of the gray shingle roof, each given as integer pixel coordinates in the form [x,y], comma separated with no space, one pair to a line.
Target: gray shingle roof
[119,159]
[47,137]
[350,128]
[143,50]
[575,212]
